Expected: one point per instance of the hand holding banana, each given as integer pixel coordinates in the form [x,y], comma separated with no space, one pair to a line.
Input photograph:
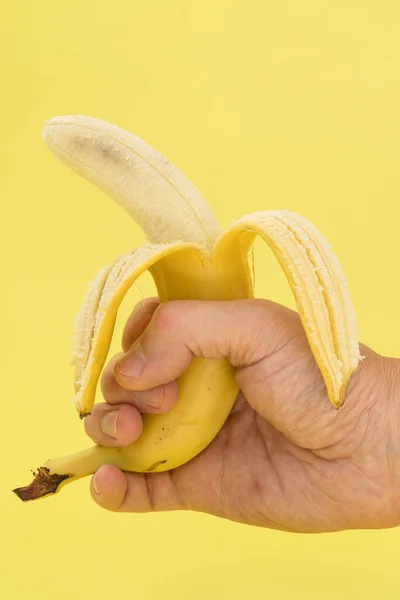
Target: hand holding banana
[190,259]
[283,459]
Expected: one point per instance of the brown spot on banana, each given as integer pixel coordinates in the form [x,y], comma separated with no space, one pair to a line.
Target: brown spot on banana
[155,465]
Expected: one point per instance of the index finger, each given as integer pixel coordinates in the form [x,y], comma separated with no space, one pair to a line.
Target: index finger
[138,320]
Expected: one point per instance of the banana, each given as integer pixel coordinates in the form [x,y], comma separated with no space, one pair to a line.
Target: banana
[189,257]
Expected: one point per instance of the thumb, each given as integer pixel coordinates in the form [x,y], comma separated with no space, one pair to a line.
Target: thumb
[242,331]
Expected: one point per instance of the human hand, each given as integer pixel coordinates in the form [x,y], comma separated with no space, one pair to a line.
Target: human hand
[285,458]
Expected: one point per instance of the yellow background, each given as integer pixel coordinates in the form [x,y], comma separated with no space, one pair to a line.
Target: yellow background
[263,105]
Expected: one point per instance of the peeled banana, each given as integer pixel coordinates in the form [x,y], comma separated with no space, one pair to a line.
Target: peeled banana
[189,257]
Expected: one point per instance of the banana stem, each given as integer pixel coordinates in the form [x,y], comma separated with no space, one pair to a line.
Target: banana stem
[57,472]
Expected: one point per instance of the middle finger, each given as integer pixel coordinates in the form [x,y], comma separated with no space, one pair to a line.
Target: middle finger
[155,400]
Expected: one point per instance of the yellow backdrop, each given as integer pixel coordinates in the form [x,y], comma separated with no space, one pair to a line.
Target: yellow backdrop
[263,105]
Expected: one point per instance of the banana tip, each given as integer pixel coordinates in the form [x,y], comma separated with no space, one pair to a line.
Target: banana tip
[43,484]
[51,128]
[83,415]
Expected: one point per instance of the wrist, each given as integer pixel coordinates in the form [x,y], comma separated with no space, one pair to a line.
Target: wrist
[391,380]
[374,411]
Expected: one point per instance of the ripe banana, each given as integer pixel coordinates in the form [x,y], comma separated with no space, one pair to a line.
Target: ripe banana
[189,257]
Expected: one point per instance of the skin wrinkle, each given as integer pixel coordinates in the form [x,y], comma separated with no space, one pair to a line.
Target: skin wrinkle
[308,468]
[146,310]
[257,488]
[238,346]
[164,310]
[288,417]
[256,485]
[311,467]
[195,347]
[181,503]
[219,490]
[392,417]
[363,415]
[317,476]
[363,473]
[344,463]
[229,346]
[270,459]
[269,374]
[299,483]
[332,452]
[310,496]
[320,395]
[233,443]
[150,491]
[123,500]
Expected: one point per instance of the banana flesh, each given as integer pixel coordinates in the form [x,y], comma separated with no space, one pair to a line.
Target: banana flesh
[189,257]
[150,188]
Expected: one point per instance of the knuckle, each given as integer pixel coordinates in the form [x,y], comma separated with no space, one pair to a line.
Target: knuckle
[138,320]
[107,384]
[149,305]
[145,307]
[87,424]
[166,317]
[91,423]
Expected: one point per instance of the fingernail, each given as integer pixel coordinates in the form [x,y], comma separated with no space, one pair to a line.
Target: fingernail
[95,486]
[109,424]
[152,398]
[133,363]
